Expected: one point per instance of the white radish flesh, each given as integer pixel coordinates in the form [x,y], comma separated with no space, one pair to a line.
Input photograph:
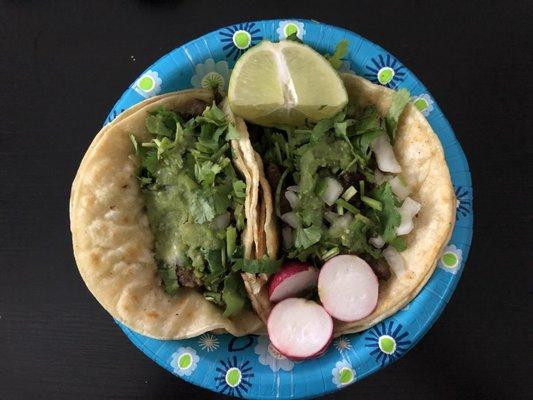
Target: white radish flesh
[407,211]
[400,189]
[332,191]
[395,260]
[348,288]
[290,219]
[385,155]
[299,329]
[292,198]
[293,279]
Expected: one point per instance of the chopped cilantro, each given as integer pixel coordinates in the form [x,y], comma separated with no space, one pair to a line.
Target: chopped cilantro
[341,50]
[399,101]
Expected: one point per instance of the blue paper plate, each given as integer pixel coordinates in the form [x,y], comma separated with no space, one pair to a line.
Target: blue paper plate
[248,366]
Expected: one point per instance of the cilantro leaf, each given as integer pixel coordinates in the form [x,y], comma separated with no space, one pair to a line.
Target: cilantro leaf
[213,115]
[259,266]
[399,101]
[306,237]
[206,172]
[294,37]
[239,189]
[162,122]
[233,133]
[233,294]
[388,218]
[169,277]
[341,50]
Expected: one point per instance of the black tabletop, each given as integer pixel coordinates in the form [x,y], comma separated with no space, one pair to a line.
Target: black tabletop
[63,65]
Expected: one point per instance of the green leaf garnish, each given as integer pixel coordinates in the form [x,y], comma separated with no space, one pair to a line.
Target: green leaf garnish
[341,50]
[399,101]
[260,266]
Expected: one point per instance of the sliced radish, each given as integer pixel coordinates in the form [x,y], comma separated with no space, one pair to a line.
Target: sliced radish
[299,329]
[291,280]
[348,288]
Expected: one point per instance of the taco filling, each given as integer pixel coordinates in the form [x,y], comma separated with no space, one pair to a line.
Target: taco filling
[338,187]
[195,204]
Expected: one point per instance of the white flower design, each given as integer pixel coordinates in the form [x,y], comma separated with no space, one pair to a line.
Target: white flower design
[210,75]
[451,258]
[424,103]
[208,342]
[343,373]
[342,343]
[287,28]
[184,361]
[148,84]
[268,355]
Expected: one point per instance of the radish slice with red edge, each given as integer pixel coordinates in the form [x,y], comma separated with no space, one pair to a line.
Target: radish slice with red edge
[348,288]
[292,280]
[300,329]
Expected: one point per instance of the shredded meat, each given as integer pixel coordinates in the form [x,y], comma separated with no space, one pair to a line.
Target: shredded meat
[381,269]
[186,278]
[194,107]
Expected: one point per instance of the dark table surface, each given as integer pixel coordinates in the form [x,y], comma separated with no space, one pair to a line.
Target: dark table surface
[63,65]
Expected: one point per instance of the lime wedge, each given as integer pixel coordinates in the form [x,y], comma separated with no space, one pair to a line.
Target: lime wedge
[285,83]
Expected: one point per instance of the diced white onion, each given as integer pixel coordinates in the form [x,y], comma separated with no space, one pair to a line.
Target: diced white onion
[221,221]
[290,219]
[288,239]
[395,260]
[385,155]
[292,198]
[400,189]
[332,191]
[377,242]
[294,188]
[342,222]
[407,211]
[330,216]
[381,177]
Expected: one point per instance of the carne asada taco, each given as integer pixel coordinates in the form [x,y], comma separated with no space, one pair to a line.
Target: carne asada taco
[370,180]
[161,211]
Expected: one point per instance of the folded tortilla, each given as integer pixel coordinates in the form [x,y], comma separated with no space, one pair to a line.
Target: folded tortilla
[420,154]
[113,244]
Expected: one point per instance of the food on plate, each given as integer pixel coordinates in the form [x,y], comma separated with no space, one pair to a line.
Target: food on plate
[160,218]
[361,192]
[348,288]
[293,280]
[308,203]
[300,328]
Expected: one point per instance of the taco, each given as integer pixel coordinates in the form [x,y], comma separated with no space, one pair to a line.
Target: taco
[370,181]
[162,214]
